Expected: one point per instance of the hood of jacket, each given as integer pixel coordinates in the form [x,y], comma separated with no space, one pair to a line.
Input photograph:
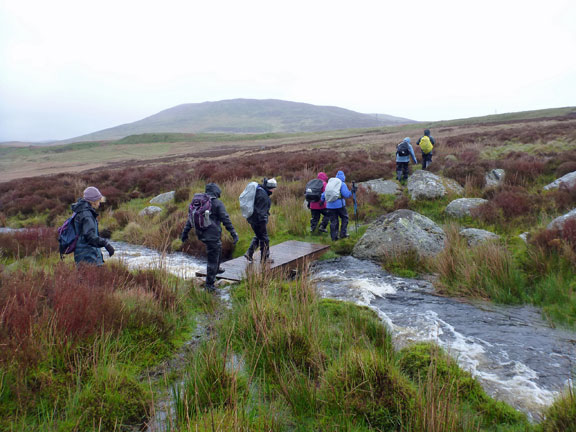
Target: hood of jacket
[340,175]
[322,176]
[82,205]
[212,189]
[406,140]
[427,132]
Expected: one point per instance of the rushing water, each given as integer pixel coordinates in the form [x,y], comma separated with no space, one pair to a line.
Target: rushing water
[511,350]
[516,355]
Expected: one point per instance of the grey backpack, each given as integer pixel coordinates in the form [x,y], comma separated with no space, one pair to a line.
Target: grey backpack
[247,199]
[332,191]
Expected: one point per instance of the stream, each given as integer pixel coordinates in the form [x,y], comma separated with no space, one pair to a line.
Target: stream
[515,354]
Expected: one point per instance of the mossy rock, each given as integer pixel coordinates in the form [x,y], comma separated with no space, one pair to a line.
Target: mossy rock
[367,386]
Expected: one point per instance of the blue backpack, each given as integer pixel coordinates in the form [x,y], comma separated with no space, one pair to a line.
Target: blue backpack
[67,236]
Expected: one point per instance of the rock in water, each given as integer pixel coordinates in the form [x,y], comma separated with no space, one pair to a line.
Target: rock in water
[399,232]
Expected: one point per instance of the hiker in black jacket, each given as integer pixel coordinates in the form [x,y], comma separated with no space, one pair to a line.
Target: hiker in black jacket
[211,236]
[86,226]
[259,221]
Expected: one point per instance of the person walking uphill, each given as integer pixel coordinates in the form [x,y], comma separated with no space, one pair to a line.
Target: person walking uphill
[208,230]
[335,196]
[404,152]
[426,144]
[259,221]
[89,243]
[318,208]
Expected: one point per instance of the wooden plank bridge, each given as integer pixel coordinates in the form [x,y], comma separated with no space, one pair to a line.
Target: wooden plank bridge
[287,256]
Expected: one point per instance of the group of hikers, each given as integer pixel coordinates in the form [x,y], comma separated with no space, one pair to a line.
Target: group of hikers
[326,199]
[404,152]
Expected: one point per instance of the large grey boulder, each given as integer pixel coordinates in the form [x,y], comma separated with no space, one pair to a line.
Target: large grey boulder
[494,177]
[163,198]
[150,210]
[382,187]
[424,185]
[559,222]
[476,236]
[399,232]
[568,179]
[462,207]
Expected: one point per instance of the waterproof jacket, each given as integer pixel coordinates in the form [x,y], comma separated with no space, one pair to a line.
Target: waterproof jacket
[320,205]
[427,133]
[262,203]
[407,158]
[344,193]
[89,240]
[218,215]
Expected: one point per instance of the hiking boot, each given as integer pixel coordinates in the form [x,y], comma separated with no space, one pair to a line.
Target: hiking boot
[210,288]
[248,257]
[346,235]
[322,230]
[220,270]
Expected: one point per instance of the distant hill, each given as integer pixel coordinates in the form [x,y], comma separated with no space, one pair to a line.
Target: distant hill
[246,116]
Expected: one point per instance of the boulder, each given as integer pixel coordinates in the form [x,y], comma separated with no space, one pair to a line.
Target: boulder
[559,222]
[494,177]
[398,232]
[476,236]
[568,179]
[163,198]
[150,210]
[424,185]
[382,187]
[462,207]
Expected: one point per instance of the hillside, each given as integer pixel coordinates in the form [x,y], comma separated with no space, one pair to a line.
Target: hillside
[246,116]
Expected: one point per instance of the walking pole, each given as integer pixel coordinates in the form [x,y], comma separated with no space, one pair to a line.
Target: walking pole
[355,207]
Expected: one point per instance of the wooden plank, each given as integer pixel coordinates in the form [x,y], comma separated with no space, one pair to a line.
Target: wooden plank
[286,256]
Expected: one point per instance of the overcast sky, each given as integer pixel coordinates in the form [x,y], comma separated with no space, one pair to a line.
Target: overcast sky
[71,67]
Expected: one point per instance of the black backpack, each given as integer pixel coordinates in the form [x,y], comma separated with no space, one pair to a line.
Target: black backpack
[403,149]
[314,190]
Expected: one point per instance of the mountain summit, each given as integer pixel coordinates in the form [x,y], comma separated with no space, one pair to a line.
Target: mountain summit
[246,116]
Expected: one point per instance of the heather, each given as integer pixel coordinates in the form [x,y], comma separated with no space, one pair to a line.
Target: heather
[79,341]
[75,342]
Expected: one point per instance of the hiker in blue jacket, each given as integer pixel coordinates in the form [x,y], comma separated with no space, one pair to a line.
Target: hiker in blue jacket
[404,152]
[337,210]
[86,226]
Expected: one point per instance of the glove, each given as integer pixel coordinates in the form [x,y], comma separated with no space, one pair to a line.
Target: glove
[235,238]
[109,248]
[354,188]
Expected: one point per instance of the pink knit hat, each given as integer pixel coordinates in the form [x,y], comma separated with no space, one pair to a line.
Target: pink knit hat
[92,194]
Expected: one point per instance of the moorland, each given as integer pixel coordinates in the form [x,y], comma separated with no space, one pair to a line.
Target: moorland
[77,352]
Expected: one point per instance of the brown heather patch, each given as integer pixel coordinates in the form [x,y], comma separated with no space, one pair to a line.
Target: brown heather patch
[30,242]
[40,310]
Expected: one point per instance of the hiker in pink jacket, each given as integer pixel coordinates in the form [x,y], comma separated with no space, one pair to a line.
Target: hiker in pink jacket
[318,210]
